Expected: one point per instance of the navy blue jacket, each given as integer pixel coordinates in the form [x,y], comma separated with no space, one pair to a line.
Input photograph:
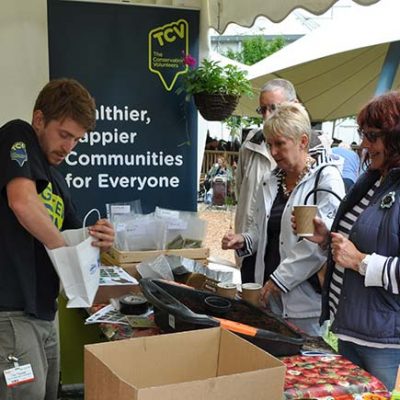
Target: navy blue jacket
[370,313]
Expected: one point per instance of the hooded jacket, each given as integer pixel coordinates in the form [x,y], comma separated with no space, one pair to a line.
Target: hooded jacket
[300,258]
[254,161]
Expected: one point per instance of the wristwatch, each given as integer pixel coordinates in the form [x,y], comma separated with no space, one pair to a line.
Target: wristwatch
[362,267]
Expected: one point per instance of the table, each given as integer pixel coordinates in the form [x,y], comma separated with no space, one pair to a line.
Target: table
[317,376]
[317,373]
[327,376]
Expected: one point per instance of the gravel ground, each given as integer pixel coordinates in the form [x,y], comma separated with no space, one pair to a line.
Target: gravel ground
[220,220]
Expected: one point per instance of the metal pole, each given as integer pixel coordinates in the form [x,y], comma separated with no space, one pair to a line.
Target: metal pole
[389,69]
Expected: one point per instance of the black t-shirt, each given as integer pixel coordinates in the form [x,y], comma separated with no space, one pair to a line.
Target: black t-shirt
[28,281]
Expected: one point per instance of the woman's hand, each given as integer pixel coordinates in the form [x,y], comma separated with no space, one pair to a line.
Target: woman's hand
[344,252]
[103,232]
[232,241]
[268,290]
[321,232]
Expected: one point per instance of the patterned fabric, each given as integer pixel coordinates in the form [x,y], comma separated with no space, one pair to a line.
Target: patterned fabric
[344,228]
[328,376]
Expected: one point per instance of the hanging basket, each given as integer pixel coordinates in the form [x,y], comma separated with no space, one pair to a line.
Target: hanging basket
[216,106]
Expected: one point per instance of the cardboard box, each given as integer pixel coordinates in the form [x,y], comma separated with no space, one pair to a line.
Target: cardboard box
[204,364]
[106,292]
[130,268]
[110,289]
[125,257]
[129,260]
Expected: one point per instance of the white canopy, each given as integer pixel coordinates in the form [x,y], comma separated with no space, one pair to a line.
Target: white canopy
[218,14]
[244,12]
[335,69]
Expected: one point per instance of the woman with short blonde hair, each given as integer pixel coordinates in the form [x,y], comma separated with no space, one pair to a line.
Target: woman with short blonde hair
[285,264]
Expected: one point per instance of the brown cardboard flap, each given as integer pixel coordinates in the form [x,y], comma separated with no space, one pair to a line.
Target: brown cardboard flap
[106,292]
[251,357]
[195,365]
[162,360]
[139,256]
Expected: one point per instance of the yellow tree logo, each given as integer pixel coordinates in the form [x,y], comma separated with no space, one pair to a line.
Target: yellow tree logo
[167,43]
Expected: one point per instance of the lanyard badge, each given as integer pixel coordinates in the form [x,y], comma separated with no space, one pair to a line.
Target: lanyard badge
[19,374]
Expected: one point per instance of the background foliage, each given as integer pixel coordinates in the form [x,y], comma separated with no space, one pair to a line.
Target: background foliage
[253,49]
[256,48]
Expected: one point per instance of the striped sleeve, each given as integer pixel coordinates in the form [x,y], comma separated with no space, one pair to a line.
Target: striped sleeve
[278,283]
[248,246]
[383,272]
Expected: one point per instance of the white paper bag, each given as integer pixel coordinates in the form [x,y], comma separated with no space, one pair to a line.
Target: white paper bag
[77,266]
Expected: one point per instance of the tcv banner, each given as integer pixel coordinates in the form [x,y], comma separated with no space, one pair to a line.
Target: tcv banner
[145,142]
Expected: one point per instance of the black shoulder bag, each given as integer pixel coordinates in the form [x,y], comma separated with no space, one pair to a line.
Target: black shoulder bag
[313,280]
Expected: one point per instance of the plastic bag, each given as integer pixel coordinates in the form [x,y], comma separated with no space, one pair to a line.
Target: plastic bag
[183,228]
[123,208]
[157,268]
[139,232]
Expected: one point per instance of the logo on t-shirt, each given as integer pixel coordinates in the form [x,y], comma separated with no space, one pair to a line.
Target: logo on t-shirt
[18,153]
[54,205]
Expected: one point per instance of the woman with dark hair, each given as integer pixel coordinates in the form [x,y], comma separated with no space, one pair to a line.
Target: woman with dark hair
[361,291]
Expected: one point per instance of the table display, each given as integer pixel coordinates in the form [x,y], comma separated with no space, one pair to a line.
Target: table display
[328,376]
[316,373]
[180,308]
[311,375]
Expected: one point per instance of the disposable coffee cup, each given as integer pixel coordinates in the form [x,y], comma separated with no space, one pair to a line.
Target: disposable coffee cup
[251,292]
[304,219]
[227,290]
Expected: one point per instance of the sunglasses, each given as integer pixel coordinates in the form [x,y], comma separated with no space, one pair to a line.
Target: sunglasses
[370,136]
[263,109]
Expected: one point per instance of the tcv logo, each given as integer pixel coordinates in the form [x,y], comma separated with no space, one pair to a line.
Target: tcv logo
[166,45]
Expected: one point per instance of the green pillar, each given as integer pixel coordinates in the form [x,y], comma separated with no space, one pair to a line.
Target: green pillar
[74,334]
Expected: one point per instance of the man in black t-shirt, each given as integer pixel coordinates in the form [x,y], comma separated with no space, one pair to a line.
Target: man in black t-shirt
[35,205]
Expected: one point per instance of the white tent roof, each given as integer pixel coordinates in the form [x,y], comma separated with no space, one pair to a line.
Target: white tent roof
[218,14]
[335,68]
[244,12]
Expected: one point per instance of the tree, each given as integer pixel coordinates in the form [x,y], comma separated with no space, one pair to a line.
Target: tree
[256,48]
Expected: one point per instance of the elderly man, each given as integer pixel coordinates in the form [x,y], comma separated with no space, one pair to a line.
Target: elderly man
[254,161]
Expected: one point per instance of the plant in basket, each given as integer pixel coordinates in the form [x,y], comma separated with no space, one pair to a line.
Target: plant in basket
[216,89]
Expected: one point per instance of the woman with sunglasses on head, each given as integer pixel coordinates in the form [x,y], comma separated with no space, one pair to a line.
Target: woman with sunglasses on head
[361,291]
[286,264]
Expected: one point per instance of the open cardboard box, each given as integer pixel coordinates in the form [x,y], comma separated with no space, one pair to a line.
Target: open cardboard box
[210,364]
[111,286]
[106,292]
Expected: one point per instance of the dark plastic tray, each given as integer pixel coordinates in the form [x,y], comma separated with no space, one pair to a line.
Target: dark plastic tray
[181,308]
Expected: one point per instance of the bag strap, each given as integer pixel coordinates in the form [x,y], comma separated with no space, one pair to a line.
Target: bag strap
[315,280]
[86,217]
[317,189]
[317,178]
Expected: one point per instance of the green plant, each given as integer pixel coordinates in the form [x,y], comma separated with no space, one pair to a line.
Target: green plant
[235,123]
[255,49]
[212,78]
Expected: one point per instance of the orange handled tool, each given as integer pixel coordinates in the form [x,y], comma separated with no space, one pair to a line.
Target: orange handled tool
[237,327]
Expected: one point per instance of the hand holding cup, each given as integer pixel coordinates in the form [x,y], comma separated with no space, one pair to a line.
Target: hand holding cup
[304,216]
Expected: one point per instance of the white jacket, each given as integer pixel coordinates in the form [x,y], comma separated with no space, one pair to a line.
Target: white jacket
[254,161]
[300,259]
